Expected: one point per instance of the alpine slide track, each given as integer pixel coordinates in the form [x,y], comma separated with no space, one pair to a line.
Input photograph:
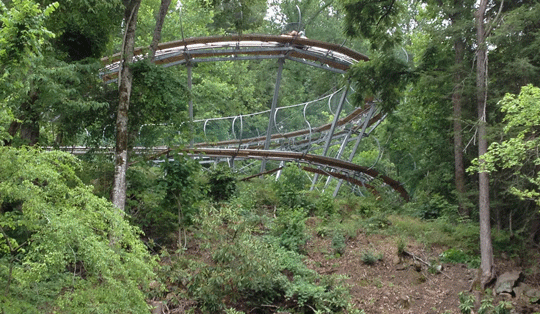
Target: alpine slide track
[244,137]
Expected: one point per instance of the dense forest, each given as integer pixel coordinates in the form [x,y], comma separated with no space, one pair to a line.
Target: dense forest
[123,229]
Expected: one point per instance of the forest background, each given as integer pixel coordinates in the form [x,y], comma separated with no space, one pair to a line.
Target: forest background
[454,77]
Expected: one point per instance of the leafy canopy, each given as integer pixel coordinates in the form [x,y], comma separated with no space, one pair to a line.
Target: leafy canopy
[520,151]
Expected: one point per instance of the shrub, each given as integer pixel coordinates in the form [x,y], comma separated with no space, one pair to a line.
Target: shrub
[222,184]
[63,249]
[338,243]
[251,270]
[290,228]
[254,270]
[290,188]
[370,258]
[460,257]
[323,205]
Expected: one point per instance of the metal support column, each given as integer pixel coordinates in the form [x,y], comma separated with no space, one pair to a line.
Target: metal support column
[332,128]
[271,121]
[340,151]
[189,79]
[358,140]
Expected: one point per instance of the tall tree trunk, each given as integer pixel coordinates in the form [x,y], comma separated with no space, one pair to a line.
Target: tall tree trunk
[124,88]
[160,19]
[486,249]
[459,168]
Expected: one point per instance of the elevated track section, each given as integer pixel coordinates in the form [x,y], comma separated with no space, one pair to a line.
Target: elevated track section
[297,133]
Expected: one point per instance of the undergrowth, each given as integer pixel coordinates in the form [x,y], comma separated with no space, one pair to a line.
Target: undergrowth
[249,249]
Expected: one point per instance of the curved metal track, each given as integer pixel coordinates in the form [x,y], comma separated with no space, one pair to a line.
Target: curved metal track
[327,56]
[316,53]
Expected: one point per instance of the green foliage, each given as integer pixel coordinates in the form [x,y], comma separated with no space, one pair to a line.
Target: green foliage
[182,190]
[384,77]
[22,34]
[63,248]
[466,303]
[222,184]
[338,243]
[84,28]
[325,205]
[158,97]
[22,39]
[290,228]
[236,16]
[146,202]
[370,258]
[6,117]
[518,153]
[158,107]
[401,246]
[459,256]
[440,231]
[377,21]
[434,206]
[290,188]
[256,270]
[376,223]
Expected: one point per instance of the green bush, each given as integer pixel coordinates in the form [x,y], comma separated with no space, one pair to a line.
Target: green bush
[258,195]
[290,188]
[460,257]
[63,249]
[222,184]
[290,228]
[253,270]
[466,305]
[370,258]
[338,243]
[323,204]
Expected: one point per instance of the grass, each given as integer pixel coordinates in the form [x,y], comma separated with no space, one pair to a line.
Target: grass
[436,232]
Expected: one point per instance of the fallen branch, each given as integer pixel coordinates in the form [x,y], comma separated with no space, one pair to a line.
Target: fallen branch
[414,257]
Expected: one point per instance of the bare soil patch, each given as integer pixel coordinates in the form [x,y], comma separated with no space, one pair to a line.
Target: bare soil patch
[398,284]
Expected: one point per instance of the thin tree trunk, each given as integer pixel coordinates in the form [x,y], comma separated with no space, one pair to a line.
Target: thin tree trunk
[486,249]
[124,88]
[459,168]
[160,19]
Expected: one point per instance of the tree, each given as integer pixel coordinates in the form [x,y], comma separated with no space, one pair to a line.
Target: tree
[519,152]
[22,38]
[180,184]
[377,21]
[125,85]
[125,79]
[486,248]
[236,16]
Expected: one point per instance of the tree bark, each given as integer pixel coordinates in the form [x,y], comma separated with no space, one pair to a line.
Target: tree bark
[486,249]
[124,88]
[160,19]
[459,168]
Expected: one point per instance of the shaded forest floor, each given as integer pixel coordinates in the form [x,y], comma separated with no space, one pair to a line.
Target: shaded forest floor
[405,284]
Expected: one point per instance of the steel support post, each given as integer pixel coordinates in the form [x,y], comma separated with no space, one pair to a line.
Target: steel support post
[332,128]
[358,140]
[340,152]
[271,121]
[189,80]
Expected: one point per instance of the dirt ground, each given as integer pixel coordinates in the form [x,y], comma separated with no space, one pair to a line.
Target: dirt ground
[397,284]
